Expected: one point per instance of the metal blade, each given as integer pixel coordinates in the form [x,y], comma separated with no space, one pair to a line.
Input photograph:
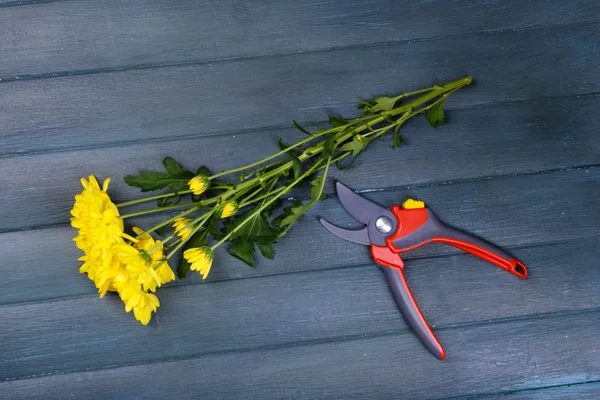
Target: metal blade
[357,206]
[360,236]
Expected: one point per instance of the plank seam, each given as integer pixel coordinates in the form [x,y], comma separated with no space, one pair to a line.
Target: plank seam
[20,3]
[176,64]
[270,128]
[359,266]
[315,342]
[509,392]
[448,182]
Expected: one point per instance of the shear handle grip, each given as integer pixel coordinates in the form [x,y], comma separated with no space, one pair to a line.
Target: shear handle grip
[410,310]
[392,265]
[481,249]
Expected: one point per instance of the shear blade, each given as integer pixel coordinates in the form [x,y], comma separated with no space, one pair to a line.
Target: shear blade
[357,206]
[360,236]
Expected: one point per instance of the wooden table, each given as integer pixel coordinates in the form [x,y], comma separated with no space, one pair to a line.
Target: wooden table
[111,87]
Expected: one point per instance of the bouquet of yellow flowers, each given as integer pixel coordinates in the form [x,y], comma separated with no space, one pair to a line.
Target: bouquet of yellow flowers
[211,211]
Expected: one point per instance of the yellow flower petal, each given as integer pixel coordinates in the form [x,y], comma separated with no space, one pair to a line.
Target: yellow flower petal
[229,209]
[183,227]
[199,184]
[200,259]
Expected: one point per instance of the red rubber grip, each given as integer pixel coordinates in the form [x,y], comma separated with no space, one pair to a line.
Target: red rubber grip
[393,268]
[511,265]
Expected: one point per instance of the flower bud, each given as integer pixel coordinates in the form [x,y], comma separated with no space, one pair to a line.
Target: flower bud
[199,184]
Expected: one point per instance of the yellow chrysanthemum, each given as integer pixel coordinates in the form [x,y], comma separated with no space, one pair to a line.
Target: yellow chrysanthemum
[199,184]
[142,303]
[100,228]
[158,263]
[96,217]
[138,269]
[165,273]
[200,259]
[229,209]
[112,259]
[183,227]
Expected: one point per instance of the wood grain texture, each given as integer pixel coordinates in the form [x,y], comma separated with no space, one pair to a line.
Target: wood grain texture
[582,391]
[110,86]
[510,355]
[102,34]
[510,212]
[88,333]
[523,137]
[166,103]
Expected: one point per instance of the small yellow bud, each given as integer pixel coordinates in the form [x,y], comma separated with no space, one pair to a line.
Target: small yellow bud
[229,209]
[183,227]
[200,259]
[199,184]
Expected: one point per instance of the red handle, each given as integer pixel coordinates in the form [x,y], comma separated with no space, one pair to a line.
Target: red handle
[417,227]
[496,257]
[393,269]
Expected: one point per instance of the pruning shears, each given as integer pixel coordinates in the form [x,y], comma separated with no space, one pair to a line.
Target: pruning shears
[399,229]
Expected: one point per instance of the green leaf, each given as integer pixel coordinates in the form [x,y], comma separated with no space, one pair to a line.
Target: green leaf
[398,139]
[357,144]
[150,180]
[168,201]
[329,146]
[203,170]
[379,104]
[162,229]
[315,190]
[257,229]
[183,267]
[297,125]
[297,165]
[436,115]
[176,178]
[287,211]
[175,169]
[243,250]
[267,250]
[216,232]
[339,165]
[282,144]
[294,213]
[337,121]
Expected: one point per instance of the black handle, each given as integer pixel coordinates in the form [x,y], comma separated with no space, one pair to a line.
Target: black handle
[411,311]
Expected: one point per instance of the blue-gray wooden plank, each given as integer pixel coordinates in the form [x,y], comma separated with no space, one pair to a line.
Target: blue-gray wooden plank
[546,342]
[511,211]
[308,307]
[237,95]
[66,37]
[495,357]
[580,391]
[519,138]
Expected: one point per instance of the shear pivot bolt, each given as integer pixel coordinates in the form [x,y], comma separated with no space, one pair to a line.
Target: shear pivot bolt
[383,225]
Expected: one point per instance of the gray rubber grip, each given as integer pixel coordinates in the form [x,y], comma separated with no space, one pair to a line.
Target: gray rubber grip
[411,311]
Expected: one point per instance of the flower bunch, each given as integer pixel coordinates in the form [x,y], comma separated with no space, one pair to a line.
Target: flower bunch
[215,211]
[114,260]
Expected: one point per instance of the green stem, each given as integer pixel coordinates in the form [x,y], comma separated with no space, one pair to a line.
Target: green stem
[161,196]
[260,189]
[172,219]
[173,243]
[279,153]
[197,221]
[258,210]
[263,197]
[157,209]
[312,203]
